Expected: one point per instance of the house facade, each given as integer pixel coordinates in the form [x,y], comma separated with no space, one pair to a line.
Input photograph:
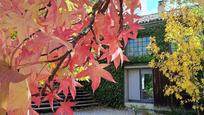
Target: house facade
[144,85]
[138,80]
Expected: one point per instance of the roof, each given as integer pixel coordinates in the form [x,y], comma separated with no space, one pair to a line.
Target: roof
[149,18]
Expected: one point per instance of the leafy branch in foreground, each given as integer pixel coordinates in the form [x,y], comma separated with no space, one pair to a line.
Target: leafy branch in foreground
[44,42]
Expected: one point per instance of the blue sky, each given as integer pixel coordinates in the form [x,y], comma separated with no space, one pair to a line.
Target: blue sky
[148,7]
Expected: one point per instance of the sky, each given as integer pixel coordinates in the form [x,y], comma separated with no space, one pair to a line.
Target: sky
[148,7]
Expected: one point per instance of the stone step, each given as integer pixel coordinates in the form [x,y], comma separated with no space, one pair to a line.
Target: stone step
[77,98]
[82,99]
[48,109]
[78,93]
[46,104]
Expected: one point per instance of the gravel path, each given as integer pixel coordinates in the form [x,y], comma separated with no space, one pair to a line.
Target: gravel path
[105,111]
[101,111]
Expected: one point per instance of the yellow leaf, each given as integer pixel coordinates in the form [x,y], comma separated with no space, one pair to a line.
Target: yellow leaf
[178,96]
[3,95]
[2,111]
[19,95]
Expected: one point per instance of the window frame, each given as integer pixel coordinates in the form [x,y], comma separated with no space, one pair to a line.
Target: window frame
[142,100]
[137,47]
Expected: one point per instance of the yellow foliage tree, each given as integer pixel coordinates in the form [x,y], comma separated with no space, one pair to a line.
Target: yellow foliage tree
[183,63]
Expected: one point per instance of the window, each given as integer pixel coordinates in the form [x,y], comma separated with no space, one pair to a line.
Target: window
[174,47]
[140,85]
[146,84]
[137,47]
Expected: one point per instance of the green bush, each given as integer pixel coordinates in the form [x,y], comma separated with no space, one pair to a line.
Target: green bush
[139,59]
[112,94]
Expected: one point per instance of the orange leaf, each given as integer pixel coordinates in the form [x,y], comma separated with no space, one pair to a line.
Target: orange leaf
[15,94]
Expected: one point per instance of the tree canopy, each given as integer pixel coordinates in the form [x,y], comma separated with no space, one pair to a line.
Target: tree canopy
[183,63]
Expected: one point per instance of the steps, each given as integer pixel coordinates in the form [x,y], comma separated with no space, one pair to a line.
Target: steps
[83,99]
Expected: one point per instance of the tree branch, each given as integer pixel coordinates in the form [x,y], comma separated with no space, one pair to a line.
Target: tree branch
[39,62]
[74,41]
[121,16]
[16,49]
[51,77]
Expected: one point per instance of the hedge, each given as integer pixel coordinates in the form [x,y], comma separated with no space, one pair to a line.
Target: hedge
[110,94]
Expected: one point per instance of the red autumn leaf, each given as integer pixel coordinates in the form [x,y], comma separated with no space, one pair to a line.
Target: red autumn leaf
[65,109]
[52,14]
[114,18]
[113,43]
[133,4]
[82,52]
[103,25]
[79,58]
[114,52]
[96,71]
[67,84]
[34,87]
[63,33]
[33,83]
[125,36]
[36,100]
[118,59]
[51,96]
[134,26]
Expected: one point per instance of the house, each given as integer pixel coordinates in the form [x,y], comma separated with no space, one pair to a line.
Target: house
[144,85]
